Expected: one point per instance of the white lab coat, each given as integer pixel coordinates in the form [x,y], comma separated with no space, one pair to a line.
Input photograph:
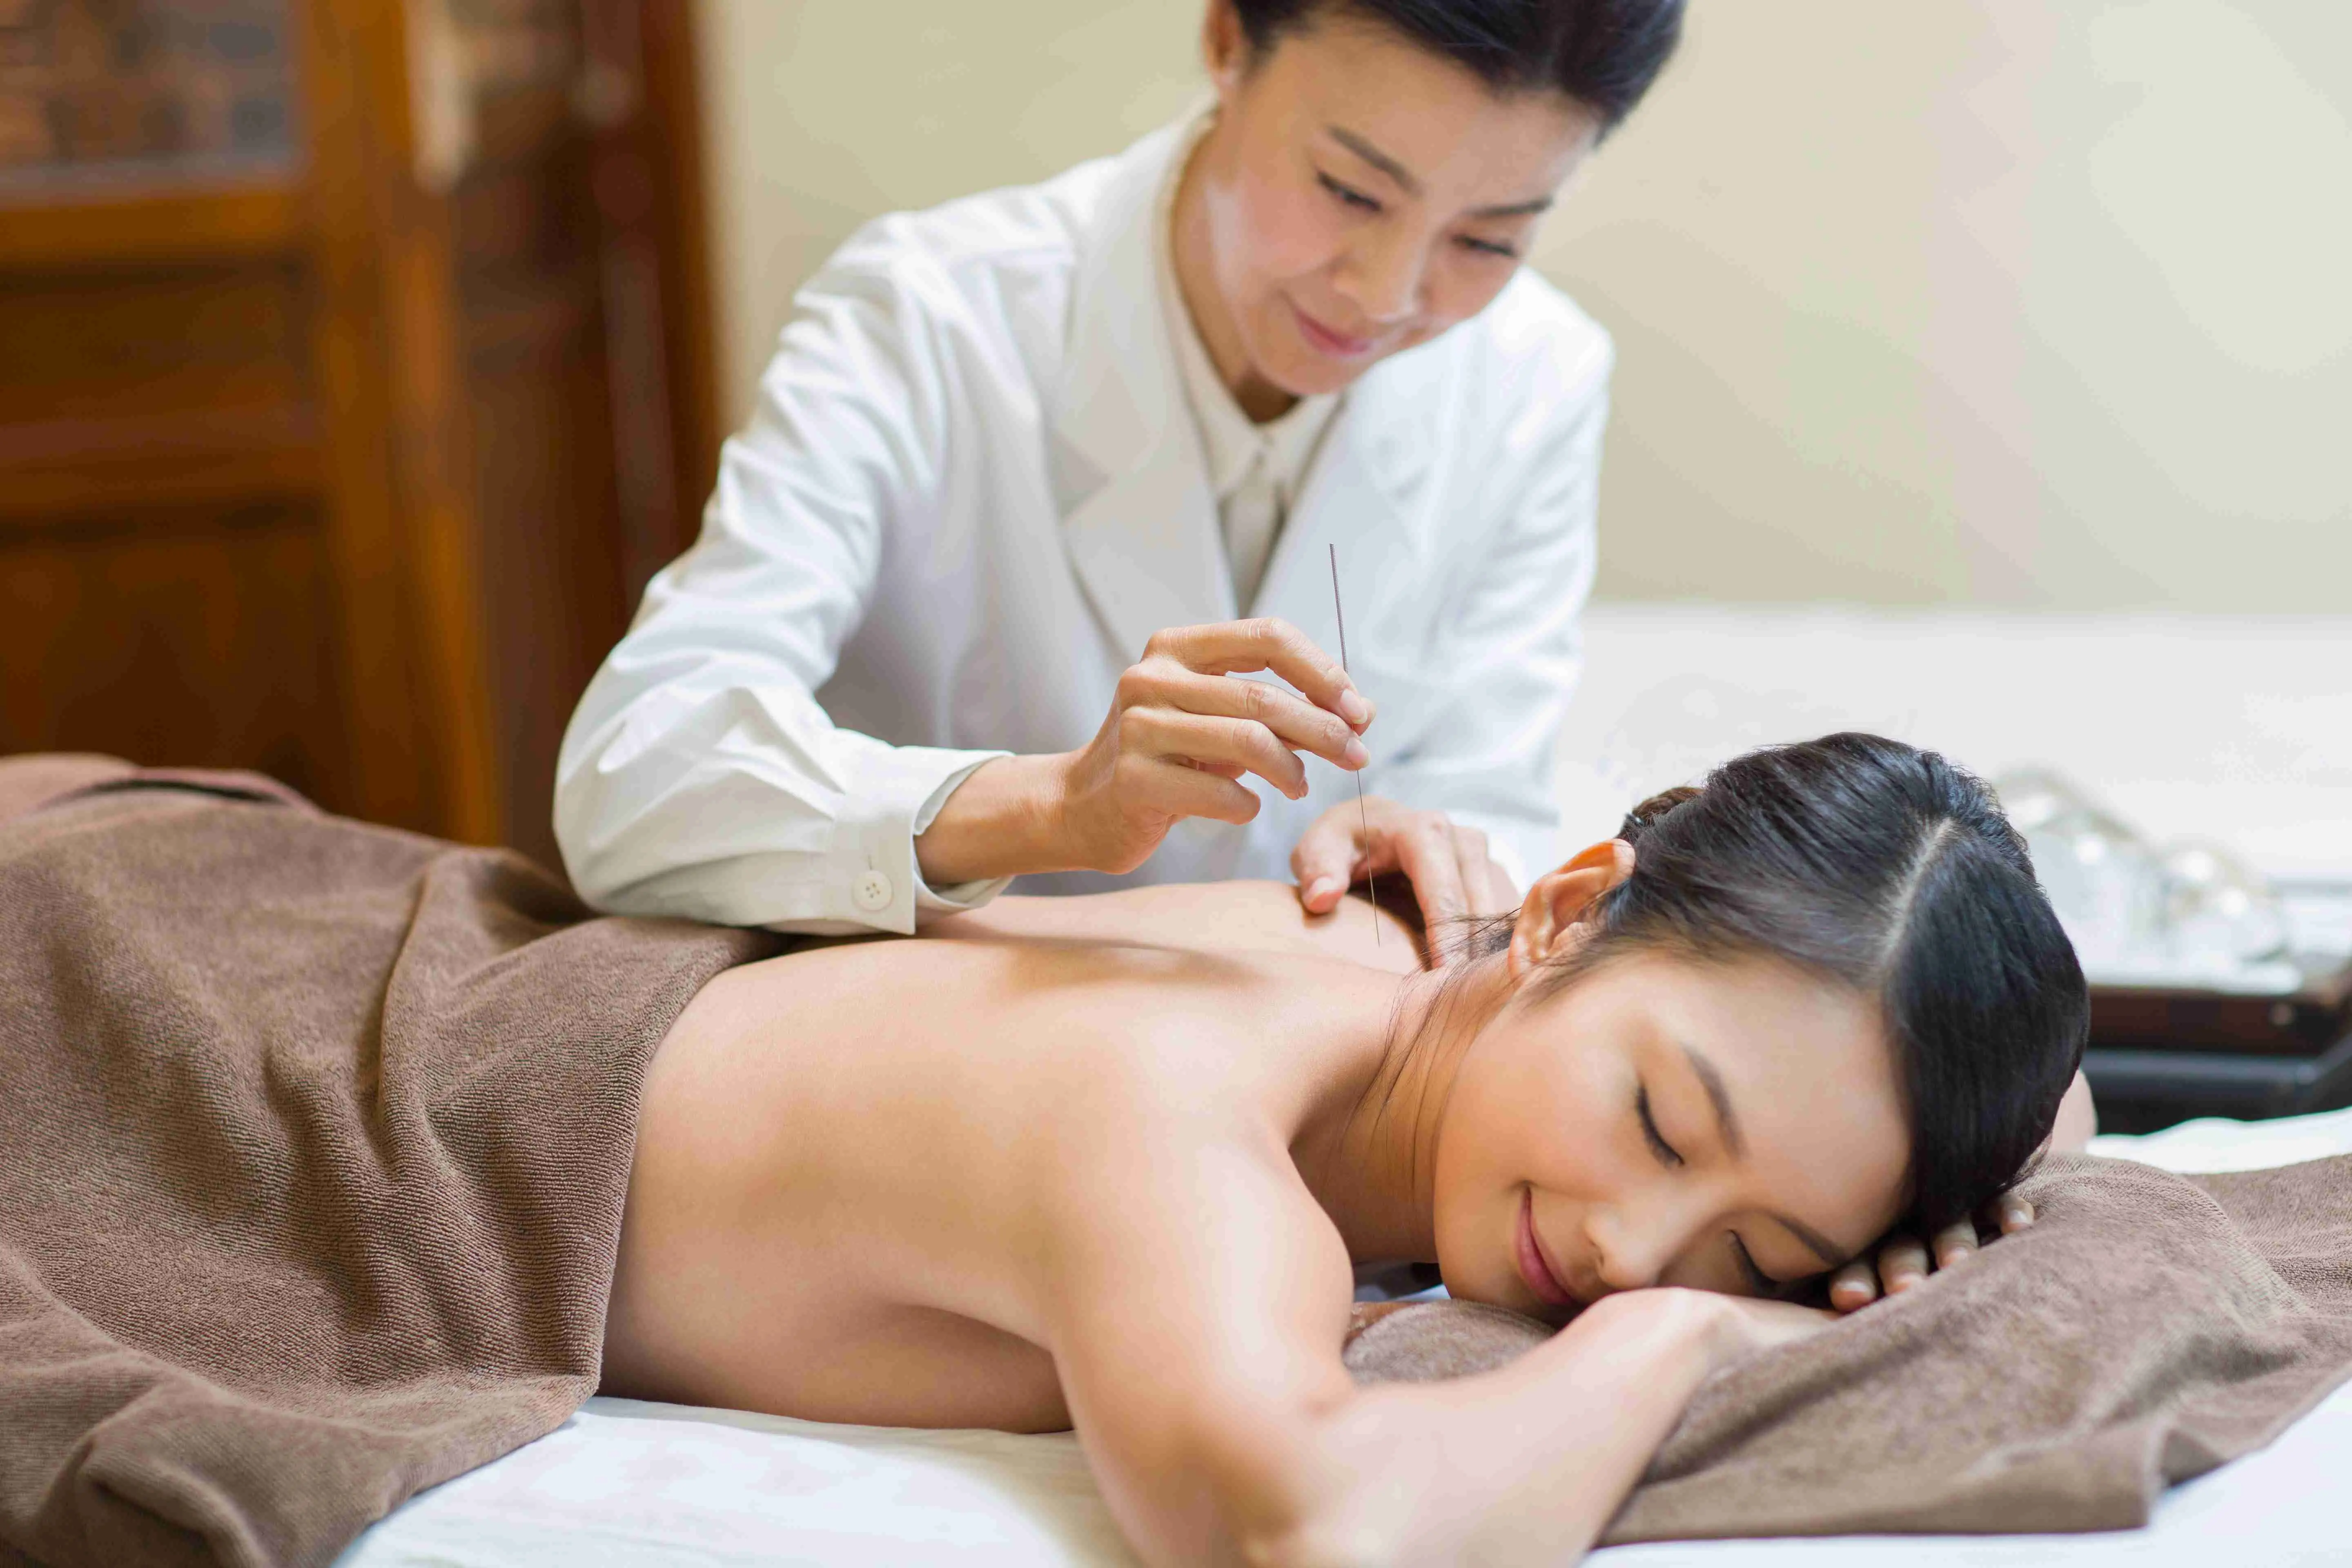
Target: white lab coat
[971,491]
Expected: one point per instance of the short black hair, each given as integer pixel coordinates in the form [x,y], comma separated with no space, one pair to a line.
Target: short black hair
[1602,53]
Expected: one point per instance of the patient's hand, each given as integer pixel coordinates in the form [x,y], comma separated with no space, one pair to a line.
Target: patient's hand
[1904,1261]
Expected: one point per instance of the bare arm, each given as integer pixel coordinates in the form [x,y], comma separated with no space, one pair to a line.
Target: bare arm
[1206,1386]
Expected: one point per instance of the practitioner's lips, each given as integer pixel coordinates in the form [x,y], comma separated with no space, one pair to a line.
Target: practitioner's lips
[1534,1267]
[1327,340]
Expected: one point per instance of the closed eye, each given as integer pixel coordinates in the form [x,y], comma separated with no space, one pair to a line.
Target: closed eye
[1761,1283]
[1347,195]
[1658,1144]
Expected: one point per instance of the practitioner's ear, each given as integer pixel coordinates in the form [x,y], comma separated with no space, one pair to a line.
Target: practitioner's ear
[1551,920]
[1224,49]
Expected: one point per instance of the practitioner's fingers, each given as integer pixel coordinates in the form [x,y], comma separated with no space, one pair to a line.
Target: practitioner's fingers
[1955,1243]
[1902,1263]
[1165,684]
[1269,643]
[1175,789]
[1325,859]
[1223,746]
[1853,1286]
[1486,886]
[1420,845]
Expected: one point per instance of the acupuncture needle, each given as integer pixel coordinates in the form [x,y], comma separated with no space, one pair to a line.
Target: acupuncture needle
[1363,818]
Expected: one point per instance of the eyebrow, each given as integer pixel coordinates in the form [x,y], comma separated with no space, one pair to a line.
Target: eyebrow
[1727,1124]
[1410,182]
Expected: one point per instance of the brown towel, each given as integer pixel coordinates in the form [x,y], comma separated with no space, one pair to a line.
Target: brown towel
[314,1143]
[2149,1328]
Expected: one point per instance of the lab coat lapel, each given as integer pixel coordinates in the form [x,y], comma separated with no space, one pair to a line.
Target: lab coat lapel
[1364,494]
[1137,518]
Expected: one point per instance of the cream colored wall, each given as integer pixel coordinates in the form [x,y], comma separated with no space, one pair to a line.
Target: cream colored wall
[1989,302]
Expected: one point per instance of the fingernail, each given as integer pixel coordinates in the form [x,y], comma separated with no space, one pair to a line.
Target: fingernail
[1957,1255]
[1353,708]
[1322,888]
[1903,1282]
[1353,754]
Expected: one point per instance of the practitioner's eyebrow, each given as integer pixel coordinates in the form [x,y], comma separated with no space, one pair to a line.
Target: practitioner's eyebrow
[1376,158]
[1410,182]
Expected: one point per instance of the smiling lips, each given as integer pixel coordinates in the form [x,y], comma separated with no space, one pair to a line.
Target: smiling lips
[1323,339]
[1534,1267]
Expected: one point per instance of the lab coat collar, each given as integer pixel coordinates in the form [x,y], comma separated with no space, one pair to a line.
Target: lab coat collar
[1138,518]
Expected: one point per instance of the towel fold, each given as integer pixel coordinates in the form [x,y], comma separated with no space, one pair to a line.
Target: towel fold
[314,1143]
[2146,1329]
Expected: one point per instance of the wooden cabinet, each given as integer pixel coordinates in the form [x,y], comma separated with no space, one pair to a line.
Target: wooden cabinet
[354,376]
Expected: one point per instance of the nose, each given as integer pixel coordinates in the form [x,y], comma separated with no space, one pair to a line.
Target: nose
[1628,1252]
[1382,275]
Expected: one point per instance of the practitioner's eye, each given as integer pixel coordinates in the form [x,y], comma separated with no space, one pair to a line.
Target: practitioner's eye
[1489,247]
[1761,1283]
[1347,195]
[1658,1144]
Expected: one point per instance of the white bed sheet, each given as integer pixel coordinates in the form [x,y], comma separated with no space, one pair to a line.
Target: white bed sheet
[630,1485]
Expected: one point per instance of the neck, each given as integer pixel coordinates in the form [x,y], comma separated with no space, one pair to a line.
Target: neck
[1370,1151]
[1192,238]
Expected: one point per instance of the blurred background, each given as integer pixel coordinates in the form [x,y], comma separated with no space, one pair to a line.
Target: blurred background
[1985,369]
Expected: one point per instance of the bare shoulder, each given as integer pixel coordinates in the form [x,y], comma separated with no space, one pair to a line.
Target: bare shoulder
[1202,917]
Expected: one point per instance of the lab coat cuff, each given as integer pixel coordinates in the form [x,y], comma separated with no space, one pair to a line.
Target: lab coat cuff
[958,897]
[875,879]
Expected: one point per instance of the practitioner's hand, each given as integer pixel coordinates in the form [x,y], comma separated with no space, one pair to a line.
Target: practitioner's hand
[1181,733]
[1903,1261]
[1445,863]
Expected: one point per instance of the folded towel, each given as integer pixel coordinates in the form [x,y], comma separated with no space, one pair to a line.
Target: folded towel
[2146,1329]
[314,1143]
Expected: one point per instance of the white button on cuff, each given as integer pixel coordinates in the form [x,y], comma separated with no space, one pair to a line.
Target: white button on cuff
[872,891]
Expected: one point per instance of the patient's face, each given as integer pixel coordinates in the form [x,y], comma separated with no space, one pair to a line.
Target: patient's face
[1664,1122]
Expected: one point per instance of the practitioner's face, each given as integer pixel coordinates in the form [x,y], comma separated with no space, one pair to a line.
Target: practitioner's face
[1662,1120]
[1357,195]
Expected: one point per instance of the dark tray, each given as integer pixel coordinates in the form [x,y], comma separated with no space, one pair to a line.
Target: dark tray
[2307,1022]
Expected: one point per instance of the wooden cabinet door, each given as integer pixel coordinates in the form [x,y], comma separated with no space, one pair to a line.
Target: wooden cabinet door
[354,377]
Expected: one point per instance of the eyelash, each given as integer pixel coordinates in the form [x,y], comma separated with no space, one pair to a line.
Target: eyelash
[1350,197]
[1758,1282]
[1658,1144]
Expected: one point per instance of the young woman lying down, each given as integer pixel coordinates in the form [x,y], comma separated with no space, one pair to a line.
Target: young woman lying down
[319,1141]
[1107,1164]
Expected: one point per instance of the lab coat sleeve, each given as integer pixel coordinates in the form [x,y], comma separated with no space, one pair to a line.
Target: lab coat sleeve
[1513,645]
[699,776]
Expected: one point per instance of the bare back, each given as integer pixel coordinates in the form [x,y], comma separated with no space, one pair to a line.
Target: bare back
[864,1170]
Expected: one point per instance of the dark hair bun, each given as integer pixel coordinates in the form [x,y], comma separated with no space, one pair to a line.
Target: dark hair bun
[1644,817]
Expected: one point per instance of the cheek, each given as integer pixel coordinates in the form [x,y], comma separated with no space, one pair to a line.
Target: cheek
[1459,288]
[1528,1111]
[1273,231]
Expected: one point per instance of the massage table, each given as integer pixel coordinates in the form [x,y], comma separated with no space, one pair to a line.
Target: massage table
[2236,730]
[627,1484]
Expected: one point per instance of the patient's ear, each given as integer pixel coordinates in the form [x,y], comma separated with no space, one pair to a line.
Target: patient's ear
[1551,920]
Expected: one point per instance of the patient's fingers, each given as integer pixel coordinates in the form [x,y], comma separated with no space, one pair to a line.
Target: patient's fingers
[1902,1263]
[1853,1286]
[2013,1213]
[1954,1242]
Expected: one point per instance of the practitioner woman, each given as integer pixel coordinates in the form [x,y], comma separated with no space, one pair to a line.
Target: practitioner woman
[1041,1169]
[1033,477]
